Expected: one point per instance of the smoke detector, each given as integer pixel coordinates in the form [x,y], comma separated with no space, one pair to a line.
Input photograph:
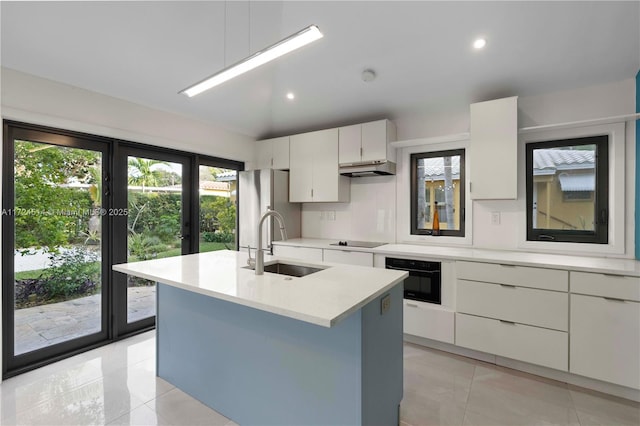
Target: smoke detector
[368,75]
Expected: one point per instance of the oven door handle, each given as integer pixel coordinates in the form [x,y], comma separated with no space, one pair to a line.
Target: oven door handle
[417,271]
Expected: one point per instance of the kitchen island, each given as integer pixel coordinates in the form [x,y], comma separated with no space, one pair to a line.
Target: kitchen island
[323,349]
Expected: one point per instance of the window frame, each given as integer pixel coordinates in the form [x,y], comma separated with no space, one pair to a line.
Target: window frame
[413,158]
[600,234]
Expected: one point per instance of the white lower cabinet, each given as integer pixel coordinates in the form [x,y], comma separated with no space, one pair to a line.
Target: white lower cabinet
[302,253]
[526,343]
[359,258]
[516,312]
[605,339]
[549,309]
[429,321]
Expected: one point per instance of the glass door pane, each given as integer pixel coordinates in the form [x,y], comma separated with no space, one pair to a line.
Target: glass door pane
[154,224]
[218,192]
[57,267]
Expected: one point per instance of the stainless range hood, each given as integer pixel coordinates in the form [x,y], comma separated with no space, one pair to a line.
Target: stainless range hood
[375,168]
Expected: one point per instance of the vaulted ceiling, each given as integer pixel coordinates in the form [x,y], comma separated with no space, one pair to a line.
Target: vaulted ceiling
[145,52]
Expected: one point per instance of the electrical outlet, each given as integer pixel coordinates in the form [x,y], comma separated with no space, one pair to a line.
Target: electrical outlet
[495,218]
[385,304]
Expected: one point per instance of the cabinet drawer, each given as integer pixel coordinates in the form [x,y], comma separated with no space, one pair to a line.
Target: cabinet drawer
[524,276]
[303,253]
[349,257]
[428,321]
[542,308]
[520,342]
[615,286]
[605,340]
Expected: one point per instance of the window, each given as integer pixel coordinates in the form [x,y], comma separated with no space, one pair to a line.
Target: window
[567,190]
[438,177]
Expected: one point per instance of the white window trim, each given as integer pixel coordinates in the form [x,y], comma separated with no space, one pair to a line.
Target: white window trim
[403,172]
[617,172]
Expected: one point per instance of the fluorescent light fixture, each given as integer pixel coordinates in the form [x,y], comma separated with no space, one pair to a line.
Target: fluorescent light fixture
[480,43]
[291,43]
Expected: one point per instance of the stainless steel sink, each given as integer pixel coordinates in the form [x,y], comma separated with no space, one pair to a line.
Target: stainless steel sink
[291,269]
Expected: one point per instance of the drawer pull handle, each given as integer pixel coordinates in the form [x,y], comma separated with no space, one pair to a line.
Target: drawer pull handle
[614,275]
[507,322]
[412,305]
[613,299]
[504,265]
[508,286]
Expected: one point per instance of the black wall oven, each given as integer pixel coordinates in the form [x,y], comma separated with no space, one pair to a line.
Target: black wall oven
[424,281]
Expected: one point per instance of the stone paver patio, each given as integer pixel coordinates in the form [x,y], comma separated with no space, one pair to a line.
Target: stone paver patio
[41,326]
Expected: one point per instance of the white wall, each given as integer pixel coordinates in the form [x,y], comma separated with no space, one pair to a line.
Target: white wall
[39,101]
[370,216]
[356,220]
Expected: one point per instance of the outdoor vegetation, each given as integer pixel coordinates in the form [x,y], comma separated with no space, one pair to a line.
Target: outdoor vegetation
[58,213]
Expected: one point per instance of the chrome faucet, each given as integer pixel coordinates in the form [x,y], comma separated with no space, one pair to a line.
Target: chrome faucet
[260,250]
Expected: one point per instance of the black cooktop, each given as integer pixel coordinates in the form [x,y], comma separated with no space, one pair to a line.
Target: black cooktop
[362,244]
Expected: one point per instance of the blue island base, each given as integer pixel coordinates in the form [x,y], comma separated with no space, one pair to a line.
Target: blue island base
[258,368]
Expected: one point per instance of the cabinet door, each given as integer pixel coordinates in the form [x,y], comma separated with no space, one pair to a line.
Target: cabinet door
[535,345]
[494,149]
[549,309]
[605,339]
[301,150]
[347,257]
[302,253]
[350,144]
[264,154]
[428,321]
[325,165]
[280,153]
[374,140]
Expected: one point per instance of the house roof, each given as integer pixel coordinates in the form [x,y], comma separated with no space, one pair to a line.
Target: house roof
[549,161]
[434,167]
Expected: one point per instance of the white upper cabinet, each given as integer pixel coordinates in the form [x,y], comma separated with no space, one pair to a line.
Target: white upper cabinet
[494,150]
[273,153]
[314,175]
[367,142]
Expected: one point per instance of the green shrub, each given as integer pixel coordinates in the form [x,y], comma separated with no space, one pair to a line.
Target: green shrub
[218,237]
[144,247]
[73,271]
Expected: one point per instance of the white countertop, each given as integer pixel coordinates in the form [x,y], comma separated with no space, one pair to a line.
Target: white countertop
[323,298]
[603,265]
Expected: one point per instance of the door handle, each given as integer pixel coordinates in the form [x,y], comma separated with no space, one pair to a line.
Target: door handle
[184,237]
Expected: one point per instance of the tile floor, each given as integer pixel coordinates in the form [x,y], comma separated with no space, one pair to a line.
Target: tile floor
[116,385]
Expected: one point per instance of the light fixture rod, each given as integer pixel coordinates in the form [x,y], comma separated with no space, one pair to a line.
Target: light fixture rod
[284,46]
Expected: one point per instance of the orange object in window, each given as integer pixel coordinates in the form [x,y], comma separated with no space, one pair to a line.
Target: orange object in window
[435,229]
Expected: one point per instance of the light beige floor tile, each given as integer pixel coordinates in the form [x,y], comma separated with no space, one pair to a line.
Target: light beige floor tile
[416,409]
[500,396]
[141,416]
[19,394]
[595,408]
[95,403]
[178,408]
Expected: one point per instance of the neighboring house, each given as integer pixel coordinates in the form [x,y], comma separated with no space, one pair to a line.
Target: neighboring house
[563,189]
[435,190]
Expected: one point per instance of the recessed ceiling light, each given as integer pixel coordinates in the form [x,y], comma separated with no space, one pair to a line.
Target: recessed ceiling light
[291,96]
[479,43]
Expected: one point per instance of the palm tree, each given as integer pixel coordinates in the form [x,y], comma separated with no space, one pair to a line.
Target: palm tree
[141,172]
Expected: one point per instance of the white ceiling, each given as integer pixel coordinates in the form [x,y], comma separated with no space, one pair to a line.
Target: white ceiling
[145,52]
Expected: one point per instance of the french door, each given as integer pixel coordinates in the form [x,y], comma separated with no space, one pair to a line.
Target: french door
[55,223]
[73,205]
[152,196]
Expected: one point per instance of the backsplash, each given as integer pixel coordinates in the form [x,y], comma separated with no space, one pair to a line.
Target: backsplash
[369,216]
